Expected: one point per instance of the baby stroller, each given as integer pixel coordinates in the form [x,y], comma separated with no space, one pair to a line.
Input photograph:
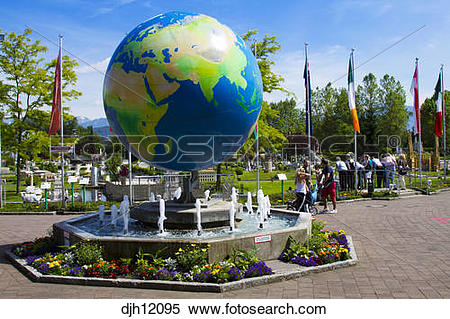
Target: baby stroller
[305,203]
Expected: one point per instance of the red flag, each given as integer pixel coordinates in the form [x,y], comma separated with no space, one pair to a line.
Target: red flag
[55,120]
[415,92]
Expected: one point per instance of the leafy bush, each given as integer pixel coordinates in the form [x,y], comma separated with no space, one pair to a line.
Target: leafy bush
[239,171]
[87,252]
[322,247]
[193,255]
[243,259]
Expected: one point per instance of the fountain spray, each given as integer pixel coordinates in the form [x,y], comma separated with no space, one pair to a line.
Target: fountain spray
[198,206]
[114,212]
[101,214]
[249,203]
[162,215]
[232,212]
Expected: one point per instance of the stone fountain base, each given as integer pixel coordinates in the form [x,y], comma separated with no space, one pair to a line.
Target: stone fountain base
[268,243]
[215,213]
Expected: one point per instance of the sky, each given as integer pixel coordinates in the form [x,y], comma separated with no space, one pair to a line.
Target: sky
[93,29]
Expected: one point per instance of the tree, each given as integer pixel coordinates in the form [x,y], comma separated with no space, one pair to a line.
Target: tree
[265,49]
[395,114]
[368,102]
[30,87]
[290,119]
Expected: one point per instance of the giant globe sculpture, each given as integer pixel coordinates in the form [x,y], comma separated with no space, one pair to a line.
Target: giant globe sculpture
[182,91]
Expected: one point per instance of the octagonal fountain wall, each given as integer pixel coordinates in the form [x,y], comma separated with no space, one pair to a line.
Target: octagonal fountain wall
[269,241]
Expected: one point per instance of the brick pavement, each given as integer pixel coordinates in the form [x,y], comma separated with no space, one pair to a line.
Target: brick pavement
[403,253]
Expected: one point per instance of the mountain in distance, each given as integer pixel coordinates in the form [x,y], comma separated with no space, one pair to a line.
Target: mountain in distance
[100,126]
[85,122]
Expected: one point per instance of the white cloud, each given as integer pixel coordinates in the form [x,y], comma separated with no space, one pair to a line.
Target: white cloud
[98,67]
[112,5]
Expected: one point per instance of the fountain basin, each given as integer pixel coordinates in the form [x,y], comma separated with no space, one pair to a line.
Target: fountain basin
[214,213]
[269,242]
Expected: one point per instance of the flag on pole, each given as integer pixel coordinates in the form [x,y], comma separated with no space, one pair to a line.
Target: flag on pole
[307,78]
[438,100]
[351,93]
[256,130]
[55,119]
[415,93]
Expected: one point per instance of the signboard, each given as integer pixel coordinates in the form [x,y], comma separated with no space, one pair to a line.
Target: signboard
[46,185]
[84,181]
[282,177]
[72,179]
[263,239]
[59,149]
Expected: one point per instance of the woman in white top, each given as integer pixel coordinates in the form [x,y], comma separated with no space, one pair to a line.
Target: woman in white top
[301,187]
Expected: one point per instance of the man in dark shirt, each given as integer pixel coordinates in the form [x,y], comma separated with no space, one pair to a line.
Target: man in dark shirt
[328,187]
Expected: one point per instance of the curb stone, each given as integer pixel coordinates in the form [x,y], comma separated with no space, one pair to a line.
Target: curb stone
[36,276]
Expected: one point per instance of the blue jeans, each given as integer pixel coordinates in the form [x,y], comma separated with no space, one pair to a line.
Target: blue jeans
[390,176]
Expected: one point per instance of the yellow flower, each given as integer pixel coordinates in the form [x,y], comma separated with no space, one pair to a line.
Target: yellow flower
[204,249]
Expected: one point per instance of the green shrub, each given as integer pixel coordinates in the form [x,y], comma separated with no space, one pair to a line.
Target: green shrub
[193,255]
[87,252]
[243,259]
[239,171]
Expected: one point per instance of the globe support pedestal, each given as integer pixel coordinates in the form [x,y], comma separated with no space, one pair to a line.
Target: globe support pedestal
[189,184]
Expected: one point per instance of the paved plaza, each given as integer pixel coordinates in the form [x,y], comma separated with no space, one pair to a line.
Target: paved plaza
[402,246]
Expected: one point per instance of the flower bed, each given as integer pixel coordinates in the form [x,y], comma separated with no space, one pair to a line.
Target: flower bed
[322,247]
[189,264]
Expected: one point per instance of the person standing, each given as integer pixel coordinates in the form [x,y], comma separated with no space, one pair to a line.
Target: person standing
[328,187]
[342,171]
[390,163]
[350,171]
[378,167]
[402,170]
[301,188]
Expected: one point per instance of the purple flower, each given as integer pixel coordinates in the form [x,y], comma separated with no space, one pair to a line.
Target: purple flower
[43,268]
[234,274]
[302,261]
[165,274]
[258,269]
[203,276]
[31,259]
[75,271]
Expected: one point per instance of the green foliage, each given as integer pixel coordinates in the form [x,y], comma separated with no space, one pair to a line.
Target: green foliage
[87,252]
[239,171]
[243,259]
[194,255]
[294,248]
[155,259]
[290,120]
[30,88]
[265,49]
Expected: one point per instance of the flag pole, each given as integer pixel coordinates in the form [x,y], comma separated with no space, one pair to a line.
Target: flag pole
[443,121]
[356,133]
[63,200]
[308,107]
[420,126]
